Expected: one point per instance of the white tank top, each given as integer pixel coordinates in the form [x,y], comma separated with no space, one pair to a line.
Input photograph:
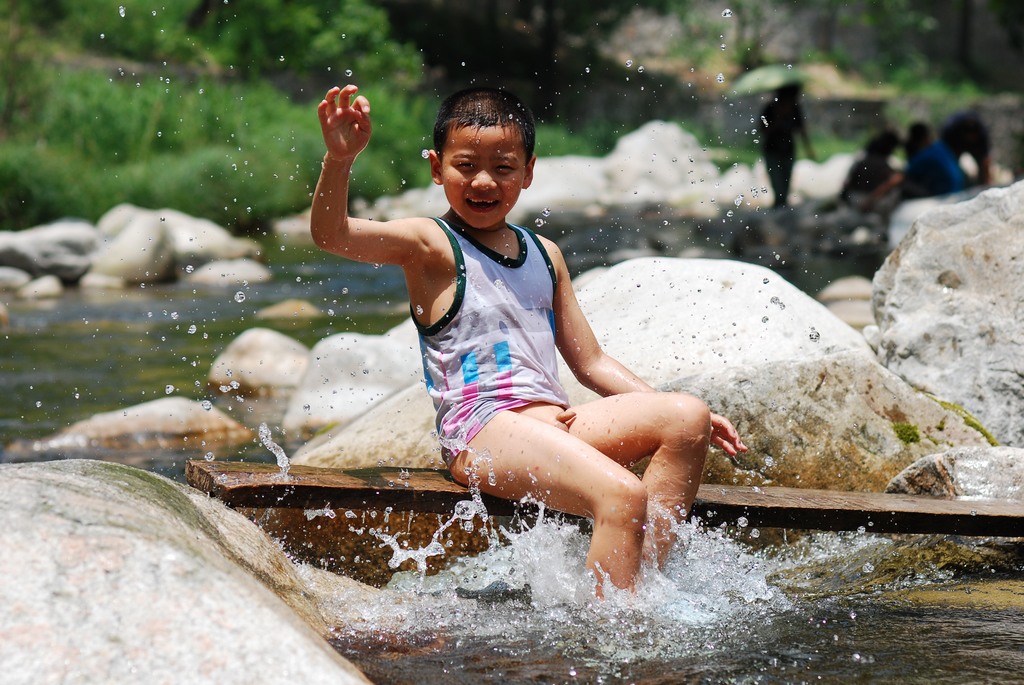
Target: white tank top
[494,349]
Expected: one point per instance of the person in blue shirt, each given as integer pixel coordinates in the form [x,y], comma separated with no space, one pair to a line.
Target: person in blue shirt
[935,170]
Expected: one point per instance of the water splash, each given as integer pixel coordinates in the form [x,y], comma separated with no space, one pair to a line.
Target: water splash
[268,441]
[710,589]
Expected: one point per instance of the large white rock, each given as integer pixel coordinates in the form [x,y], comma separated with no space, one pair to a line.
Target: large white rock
[949,308]
[260,361]
[561,184]
[42,288]
[12,278]
[63,249]
[142,251]
[166,423]
[671,318]
[350,372]
[659,162]
[195,240]
[820,181]
[116,575]
[231,272]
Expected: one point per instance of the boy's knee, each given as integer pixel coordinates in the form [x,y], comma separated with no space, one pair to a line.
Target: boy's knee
[692,417]
[624,503]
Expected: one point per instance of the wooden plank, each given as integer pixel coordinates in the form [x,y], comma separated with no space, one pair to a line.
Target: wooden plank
[241,484]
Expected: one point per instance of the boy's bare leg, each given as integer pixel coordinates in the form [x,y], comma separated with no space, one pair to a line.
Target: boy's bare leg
[671,428]
[537,456]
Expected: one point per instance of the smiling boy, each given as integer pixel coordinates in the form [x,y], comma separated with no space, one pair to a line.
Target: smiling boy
[492,302]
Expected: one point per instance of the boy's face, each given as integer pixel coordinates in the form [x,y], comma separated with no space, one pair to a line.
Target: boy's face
[483,170]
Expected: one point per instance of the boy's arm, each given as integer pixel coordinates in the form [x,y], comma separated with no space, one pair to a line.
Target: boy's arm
[599,371]
[346,127]
[589,363]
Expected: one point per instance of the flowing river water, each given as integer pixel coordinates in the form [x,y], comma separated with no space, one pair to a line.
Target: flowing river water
[733,605]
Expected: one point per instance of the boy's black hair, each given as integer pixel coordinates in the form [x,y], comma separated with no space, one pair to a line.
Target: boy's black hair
[483,107]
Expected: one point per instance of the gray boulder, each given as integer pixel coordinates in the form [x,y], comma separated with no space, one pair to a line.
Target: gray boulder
[231,272]
[12,278]
[990,472]
[849,298]
[949,309]
[195,240]
[350,372]
[291,310]
[113,574]
[659,162]
[840,422]
[142,251]
[42,288]
[165,423]
[260,361]
[63,249]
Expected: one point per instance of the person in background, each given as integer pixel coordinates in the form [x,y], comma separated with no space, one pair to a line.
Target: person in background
[919,136]
[968,135]
[872,170]
[782,121]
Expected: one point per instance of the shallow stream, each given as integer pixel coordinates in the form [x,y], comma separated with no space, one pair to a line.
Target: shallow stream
[827,608]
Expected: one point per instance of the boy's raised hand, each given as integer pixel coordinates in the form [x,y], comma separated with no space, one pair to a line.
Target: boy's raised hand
[345,123]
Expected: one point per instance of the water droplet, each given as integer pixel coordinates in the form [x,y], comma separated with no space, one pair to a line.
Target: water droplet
[419,310]
[424,153]
[778,303]
[281,58]
[629,63]
[239,297]
[120,10]
[814,335]
[348,72]
[538,222]
[764,319]
[868,567]
[741,522]
[765,281]
[640,69]
[726,14]
[169,389]
[206,404]
[720,78]
[739,200]
[209,456]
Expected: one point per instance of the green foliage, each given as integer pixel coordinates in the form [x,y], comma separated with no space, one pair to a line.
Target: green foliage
[139,29]
[595,139]
[238,154]
[346,36]
[40,185]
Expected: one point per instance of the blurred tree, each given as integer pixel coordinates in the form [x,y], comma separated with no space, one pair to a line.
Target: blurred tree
[1010,14]
[21,55]
[264,36]
[505,41]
